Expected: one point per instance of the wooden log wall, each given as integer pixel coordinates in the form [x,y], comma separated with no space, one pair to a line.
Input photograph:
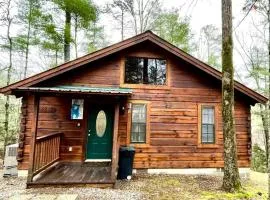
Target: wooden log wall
[174,119]
[173,114]
[21,141]
[54,116]
[54,112]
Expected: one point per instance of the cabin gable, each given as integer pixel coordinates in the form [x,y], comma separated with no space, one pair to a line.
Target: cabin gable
[110,71]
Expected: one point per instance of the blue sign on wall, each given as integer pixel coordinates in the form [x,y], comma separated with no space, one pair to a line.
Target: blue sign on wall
[77,109]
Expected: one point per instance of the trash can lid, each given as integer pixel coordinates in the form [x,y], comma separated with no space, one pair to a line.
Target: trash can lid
[127,148]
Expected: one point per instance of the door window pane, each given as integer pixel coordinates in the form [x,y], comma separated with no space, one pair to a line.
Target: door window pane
[101,123]
[138,126]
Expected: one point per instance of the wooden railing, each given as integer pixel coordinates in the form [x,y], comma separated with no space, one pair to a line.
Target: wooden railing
[47,149]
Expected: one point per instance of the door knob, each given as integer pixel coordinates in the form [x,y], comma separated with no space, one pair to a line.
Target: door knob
[89,134]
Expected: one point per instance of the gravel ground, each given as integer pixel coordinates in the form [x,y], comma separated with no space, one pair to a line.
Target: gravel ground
[144,186]
[16,186]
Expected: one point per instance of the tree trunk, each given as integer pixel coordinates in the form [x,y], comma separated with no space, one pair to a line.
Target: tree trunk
[75,36]
[263,115]
[231,178]
[28,39]
[208,51]
[27,48]
[140,8]
[268,103]
[26,57]
[6,120]
[67,37]
[95,33]
[56,57]
[122,24]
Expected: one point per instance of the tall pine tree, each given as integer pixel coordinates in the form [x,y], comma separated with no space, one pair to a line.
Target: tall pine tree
[83,11]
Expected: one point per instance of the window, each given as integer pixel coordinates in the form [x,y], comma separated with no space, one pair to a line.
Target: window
[208,125]
[138,123]
[145,71]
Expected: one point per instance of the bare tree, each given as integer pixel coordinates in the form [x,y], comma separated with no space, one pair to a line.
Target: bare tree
[268,104]
[142,13]
[263,7]
[211,39]
[118,10]
[7,20]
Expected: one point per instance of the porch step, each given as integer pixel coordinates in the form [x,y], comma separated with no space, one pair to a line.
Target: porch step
[69,184]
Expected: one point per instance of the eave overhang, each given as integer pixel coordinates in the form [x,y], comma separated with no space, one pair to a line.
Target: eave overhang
[76,90]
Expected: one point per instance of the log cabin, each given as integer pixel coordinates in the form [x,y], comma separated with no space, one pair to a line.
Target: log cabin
[142,92]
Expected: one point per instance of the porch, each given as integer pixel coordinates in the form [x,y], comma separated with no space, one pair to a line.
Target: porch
[48,169]
[68,173]
[64,157]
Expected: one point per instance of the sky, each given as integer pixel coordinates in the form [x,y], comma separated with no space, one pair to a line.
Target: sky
[201,13]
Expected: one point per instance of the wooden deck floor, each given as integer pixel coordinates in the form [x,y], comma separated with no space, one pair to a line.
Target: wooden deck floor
[72,173]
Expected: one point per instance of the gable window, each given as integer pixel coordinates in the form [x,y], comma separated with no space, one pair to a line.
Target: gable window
[145,71]
[138,123]
[208,125]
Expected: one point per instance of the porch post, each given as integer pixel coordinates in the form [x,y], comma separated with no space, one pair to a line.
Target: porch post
[115,147]
[33,138]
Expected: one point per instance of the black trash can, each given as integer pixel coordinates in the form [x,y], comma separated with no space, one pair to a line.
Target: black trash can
[126,157]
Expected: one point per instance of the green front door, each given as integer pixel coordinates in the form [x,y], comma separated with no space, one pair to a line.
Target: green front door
[100,129]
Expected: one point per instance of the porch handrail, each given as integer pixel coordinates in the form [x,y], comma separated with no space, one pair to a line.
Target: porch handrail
[44,137]
[47,151]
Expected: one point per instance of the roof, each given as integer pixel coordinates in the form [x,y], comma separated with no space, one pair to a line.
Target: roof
[146,36]
[78,89]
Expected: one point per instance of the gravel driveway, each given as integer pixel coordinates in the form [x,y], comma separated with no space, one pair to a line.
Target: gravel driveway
[141,187]
[14,188]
